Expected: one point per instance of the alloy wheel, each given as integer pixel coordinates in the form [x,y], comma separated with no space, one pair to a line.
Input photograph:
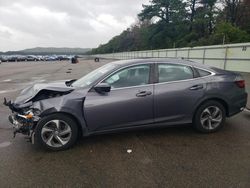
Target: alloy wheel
[56,133]
[211,117]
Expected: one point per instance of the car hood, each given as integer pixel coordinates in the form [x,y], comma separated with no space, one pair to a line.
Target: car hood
[28,94]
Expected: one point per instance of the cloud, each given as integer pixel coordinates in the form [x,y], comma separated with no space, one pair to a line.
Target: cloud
[64,23]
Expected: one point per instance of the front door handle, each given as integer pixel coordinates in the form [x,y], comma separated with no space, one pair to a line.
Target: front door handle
[196,87]
[143,93]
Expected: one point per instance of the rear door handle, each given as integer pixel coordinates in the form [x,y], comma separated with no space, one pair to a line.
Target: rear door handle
[143,93]
[196,87]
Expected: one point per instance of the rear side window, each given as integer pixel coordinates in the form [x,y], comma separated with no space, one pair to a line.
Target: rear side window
[203,73]
[172,72]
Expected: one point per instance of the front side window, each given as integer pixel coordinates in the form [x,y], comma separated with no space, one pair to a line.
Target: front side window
[172,72]
[131,76]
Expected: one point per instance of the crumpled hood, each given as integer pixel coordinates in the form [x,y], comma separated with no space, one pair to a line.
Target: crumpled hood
[29,93]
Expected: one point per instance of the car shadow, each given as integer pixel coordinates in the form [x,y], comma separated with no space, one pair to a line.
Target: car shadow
[247,115]
[180,130]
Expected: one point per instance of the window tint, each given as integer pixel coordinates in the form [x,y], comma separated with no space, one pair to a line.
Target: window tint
[132,76]
[171,72]
[203,73]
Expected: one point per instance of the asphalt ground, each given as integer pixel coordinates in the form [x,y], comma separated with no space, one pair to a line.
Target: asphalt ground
[169,157]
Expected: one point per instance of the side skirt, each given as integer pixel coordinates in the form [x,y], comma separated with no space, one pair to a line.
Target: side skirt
[138,127]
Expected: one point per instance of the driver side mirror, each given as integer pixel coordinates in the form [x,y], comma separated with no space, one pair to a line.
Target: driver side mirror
[102,88]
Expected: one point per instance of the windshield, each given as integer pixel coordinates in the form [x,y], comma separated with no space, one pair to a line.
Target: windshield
[93,76]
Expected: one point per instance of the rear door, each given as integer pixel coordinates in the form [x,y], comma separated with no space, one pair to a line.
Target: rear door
[176,93]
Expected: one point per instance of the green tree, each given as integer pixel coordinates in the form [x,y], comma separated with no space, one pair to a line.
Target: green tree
[229,33]
[243,19]
[232,8]
[209,13]
[192,6]
[168,11]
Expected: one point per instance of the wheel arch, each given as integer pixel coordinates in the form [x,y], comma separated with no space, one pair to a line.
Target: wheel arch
[80,125]
[217,99]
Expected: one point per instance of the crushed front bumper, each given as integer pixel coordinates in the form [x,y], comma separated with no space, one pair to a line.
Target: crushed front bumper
[22,119]
[23,125]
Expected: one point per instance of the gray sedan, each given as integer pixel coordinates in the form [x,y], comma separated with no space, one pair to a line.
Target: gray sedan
[128,95]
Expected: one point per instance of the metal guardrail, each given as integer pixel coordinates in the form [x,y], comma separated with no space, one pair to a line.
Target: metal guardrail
[234,57]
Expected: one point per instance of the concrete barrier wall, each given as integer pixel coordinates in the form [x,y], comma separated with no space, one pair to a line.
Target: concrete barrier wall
[235,57]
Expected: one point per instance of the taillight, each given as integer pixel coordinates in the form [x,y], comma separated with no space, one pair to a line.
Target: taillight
[240,83]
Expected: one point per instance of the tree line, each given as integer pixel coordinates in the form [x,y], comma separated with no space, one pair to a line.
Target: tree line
[184,23]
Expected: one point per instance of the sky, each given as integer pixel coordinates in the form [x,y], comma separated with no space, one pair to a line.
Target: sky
[64,23]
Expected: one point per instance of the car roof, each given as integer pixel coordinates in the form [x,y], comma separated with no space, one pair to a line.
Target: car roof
[122,63]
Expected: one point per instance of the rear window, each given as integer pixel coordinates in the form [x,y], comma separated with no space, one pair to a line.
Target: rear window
[203,73]
[173,72]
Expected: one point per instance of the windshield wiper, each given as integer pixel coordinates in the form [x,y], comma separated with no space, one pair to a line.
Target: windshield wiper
[70,82]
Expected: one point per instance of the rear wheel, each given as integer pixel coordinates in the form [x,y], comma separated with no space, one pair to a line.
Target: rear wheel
[56,132]
[210,117]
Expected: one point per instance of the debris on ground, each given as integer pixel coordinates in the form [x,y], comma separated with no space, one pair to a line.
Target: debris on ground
[129,150]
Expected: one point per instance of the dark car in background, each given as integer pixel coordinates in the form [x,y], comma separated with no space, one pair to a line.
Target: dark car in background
[11,58]
[128,95]
[21,58]
[64,57]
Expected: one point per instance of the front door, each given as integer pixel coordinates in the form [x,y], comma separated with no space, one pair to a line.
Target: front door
[128,104]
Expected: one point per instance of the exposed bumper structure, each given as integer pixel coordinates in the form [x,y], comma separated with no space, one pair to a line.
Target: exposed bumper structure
[22,125]
[22,121]
[14,122]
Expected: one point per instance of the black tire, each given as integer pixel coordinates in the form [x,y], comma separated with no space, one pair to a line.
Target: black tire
[200,115]
[97,59]
[39,139]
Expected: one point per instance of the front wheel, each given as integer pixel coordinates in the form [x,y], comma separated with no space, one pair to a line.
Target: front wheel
[209,117]
[56,132]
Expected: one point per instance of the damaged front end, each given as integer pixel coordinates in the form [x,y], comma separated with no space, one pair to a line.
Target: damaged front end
[23,119]
[27,108]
